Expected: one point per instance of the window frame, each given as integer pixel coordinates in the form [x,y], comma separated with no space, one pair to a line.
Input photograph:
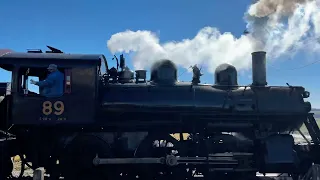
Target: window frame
[23,83]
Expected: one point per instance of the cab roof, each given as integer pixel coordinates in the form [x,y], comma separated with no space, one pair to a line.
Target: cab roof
[50,56]
[44,59]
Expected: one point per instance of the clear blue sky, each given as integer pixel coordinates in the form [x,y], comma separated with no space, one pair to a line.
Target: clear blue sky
[84,27]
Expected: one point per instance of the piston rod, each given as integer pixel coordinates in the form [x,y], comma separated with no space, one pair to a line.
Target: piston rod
[171,160]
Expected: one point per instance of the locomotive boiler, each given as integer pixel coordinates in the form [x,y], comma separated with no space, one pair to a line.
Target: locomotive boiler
[113,124]
[224,104]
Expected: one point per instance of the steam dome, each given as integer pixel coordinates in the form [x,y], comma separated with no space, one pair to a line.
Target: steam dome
[164,71]
[226,74]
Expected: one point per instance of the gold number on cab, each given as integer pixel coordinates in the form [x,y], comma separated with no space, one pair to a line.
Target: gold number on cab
[47,108]
[58,107]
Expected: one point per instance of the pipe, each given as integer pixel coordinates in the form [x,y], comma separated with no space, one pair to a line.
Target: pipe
[259,75]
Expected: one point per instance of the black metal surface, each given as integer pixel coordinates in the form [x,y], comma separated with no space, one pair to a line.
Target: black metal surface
[180,95]
[120,117]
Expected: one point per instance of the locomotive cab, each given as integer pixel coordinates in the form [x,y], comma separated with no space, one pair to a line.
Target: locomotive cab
[75,106]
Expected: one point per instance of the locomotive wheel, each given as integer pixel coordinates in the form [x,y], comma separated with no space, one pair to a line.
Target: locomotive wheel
[159,145]
[78,156]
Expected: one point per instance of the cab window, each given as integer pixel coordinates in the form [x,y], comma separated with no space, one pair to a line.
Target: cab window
[103,66]
[39,74]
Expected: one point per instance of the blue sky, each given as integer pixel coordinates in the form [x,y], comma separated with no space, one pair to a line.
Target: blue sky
[84,27]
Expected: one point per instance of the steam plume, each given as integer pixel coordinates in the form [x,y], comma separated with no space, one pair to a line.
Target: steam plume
[279,27]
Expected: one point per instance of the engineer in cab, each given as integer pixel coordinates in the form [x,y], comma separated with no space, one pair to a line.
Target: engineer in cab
[53,85]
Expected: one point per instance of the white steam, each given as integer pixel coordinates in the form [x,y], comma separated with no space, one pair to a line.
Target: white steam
[278,27]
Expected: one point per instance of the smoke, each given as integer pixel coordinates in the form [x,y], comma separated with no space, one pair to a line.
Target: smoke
[265,8]
[279,27]
[266,20]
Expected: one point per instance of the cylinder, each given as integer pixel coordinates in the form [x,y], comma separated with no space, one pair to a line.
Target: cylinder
[259,74]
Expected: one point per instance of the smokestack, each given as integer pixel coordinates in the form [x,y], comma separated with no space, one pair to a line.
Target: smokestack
[259,75]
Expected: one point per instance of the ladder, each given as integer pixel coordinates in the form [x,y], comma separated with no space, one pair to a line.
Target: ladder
[313,173]
[313,128]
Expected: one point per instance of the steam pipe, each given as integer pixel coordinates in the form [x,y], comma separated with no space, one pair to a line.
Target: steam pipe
[259,75]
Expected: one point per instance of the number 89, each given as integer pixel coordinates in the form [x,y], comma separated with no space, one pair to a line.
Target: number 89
[47,108]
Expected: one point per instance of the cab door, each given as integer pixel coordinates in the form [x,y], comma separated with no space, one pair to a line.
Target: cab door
[4,104]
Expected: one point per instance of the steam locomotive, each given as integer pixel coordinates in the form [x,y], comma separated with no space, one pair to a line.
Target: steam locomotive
[113,123]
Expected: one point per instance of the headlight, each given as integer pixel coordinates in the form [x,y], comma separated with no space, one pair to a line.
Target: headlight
[306,94]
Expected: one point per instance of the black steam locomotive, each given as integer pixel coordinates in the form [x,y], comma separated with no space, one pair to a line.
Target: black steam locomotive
[113,123]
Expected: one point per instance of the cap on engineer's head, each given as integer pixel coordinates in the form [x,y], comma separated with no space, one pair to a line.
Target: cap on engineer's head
[52,67]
